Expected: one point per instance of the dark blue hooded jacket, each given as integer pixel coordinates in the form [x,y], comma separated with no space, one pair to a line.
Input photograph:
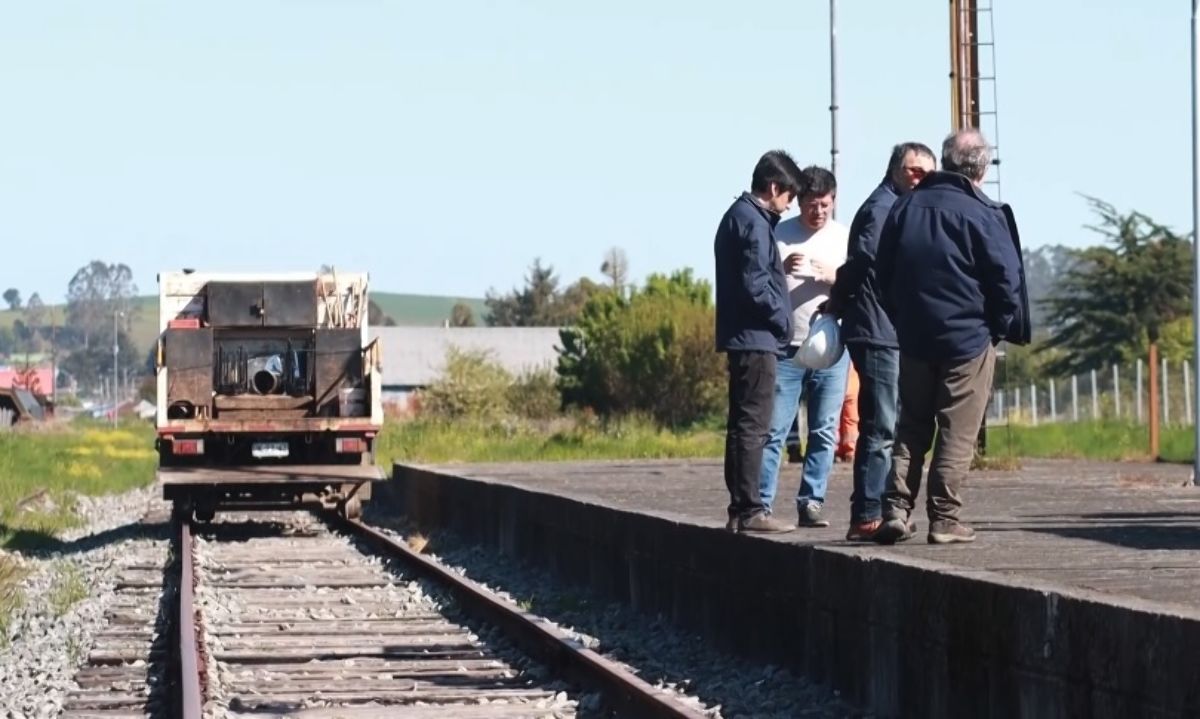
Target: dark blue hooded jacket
[950,271]
[753,311]
[856,292]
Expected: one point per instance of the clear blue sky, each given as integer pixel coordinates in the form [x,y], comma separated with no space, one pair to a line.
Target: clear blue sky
[442,146]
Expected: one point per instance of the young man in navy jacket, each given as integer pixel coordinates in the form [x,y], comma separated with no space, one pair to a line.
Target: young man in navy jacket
[754,327]
[953,284]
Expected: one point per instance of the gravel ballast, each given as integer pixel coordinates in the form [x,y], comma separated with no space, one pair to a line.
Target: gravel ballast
[725,686]
[67,587]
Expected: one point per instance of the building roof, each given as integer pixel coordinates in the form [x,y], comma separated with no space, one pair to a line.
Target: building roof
[416,356]
[44,378]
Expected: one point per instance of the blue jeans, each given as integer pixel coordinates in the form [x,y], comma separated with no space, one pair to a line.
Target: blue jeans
[878,406]
[826,392]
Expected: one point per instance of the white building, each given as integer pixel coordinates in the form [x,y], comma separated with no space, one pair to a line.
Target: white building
[414,357]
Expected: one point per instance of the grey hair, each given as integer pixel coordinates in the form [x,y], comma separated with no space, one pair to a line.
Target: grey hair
[966,152]
[902,149]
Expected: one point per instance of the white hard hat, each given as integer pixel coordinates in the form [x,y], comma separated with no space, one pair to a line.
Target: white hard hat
[822,348]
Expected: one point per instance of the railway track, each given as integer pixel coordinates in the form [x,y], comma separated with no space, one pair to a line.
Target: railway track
[290,615]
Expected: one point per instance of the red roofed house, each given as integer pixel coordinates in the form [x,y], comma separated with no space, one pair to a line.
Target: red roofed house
[42,379]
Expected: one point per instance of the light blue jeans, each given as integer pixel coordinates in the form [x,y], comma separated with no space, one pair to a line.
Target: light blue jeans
[826,392]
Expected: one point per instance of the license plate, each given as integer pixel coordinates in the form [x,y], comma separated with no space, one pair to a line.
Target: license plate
[269,450]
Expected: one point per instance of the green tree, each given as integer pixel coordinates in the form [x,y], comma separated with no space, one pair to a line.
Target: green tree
[1116,299]
[531,306]
[13,297]
[651,352]
[96,293]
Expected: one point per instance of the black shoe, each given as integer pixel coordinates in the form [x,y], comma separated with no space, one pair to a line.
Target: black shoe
[894,529]
[794,455]
[811,515]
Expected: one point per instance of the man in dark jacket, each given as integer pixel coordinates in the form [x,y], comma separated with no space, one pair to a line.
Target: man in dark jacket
[754,327]
[951,276]
[869,336]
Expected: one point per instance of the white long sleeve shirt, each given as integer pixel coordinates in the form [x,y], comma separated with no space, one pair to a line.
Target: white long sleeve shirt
[806,289]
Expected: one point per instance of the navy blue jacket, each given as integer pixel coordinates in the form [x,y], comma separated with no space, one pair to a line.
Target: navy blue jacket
[856,291]
[753,312]
[950,271]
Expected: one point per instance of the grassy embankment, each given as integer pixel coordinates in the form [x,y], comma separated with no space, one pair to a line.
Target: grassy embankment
[40,473]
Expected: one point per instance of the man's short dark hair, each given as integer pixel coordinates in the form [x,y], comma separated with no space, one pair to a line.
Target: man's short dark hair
[899,151]
[776,167]
[816,181]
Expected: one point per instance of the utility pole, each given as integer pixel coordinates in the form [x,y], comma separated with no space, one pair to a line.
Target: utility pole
[1196,239]
[833,104]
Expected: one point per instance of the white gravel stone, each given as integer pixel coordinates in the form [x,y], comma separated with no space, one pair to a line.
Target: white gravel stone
[41,650]
[721,685]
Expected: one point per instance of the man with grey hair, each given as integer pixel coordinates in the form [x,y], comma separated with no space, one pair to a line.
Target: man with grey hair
[952,281]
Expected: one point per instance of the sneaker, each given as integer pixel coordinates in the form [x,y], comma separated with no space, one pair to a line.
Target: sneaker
[732,523]
[810,515]
[863,531]
[765,524]
[948,531]
[894,529]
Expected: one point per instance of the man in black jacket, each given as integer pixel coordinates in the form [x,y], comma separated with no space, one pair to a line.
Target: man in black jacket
[754,327]
[871,339]
[951,276]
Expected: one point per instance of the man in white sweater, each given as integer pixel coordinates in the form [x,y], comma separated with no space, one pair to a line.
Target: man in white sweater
[813,247]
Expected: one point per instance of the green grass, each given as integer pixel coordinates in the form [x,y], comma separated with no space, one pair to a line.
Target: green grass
[1114,441]
[430,441]
[42,469]
[419,310]
[67,588]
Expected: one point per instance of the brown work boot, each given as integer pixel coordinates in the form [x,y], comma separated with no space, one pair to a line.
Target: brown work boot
[948,531]
[863,531]
[764,523]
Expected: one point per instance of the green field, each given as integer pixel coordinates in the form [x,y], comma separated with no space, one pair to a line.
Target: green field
[418,310]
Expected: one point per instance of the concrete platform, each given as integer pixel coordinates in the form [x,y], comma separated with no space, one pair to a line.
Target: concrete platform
[1081,596]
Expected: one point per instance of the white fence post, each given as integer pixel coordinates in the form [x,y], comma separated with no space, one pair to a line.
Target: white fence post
[999,405]
[1033,402]
[1016,405]
[1138,398]
[1117,391]
[1074,398]
[1166,397]
[1095,399]
[1187,392]
[1053,403]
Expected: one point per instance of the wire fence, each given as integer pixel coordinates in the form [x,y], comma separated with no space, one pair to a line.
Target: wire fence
[1119,393]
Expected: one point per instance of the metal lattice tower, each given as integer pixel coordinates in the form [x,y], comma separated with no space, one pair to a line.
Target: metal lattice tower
[973,77]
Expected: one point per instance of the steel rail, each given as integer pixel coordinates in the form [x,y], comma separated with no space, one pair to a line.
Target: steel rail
[629,694]
[190,663]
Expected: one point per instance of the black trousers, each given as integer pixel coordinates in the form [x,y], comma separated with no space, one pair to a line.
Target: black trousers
[751,400]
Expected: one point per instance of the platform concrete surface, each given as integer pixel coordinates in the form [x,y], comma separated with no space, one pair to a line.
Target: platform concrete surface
[1080,597]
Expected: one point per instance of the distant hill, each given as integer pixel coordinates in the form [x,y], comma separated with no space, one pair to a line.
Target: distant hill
[415,310]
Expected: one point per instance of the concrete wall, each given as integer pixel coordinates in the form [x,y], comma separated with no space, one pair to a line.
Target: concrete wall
[896,636]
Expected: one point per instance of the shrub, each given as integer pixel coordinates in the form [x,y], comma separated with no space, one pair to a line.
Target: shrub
[535,395]
[472,386]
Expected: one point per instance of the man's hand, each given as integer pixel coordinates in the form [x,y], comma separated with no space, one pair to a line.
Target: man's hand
[794,263]
[830,307]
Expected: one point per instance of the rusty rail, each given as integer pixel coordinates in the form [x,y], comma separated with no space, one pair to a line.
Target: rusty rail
[629,694]
[191,665]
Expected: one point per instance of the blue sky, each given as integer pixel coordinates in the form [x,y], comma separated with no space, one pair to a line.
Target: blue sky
[443,146]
